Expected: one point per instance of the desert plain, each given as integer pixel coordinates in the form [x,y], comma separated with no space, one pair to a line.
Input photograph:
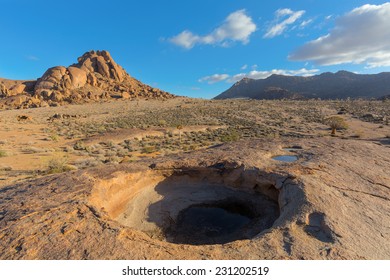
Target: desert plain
[110,179]
[95,164]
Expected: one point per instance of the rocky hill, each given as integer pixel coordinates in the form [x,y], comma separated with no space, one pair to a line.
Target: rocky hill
[340,85]
[95,77]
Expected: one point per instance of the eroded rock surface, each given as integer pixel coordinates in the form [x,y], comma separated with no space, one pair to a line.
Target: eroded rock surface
[333,204]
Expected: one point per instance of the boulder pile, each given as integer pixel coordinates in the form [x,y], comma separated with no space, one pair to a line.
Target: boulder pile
[95,77]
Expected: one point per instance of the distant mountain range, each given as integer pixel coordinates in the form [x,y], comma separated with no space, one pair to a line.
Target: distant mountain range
[340,85]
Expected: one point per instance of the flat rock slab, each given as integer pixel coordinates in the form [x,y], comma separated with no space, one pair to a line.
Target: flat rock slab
[334,204]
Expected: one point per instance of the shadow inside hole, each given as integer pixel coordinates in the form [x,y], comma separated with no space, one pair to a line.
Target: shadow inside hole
[199,212]
[221,222]
[163,203]
[293,149]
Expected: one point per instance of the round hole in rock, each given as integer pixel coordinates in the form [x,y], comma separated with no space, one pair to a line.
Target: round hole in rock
[293,149]
[222,221]
[200,206]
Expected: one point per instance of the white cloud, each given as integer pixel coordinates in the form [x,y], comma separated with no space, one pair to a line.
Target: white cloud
[244,67]
[32,57]
[265,74]
[361,36]
[185,39]
[305,23]
[238,26]
[214,78]
[283,18]
[257,75]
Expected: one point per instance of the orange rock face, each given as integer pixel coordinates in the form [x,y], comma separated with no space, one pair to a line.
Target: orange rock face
[331,204]
[95,74]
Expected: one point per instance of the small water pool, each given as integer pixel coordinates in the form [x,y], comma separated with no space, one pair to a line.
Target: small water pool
[286,158]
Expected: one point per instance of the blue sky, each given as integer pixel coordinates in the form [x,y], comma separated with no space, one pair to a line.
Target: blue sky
[197,48]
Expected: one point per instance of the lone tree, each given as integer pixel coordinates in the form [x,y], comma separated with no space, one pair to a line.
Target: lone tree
[335,123]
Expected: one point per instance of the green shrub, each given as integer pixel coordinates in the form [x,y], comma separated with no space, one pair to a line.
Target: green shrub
[54,137]
[231,137]
[148,149]
[162,123]
[58,165]
[79,145]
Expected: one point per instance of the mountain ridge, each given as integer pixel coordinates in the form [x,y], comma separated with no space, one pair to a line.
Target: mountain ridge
[327,85]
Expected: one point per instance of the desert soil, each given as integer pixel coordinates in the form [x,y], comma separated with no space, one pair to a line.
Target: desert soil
[62,168]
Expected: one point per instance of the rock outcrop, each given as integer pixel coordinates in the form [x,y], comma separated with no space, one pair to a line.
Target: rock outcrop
[333,203]
[10,88]
[95,77]
[3,90]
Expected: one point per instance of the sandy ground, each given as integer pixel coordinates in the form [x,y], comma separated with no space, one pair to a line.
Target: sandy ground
[27,146]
